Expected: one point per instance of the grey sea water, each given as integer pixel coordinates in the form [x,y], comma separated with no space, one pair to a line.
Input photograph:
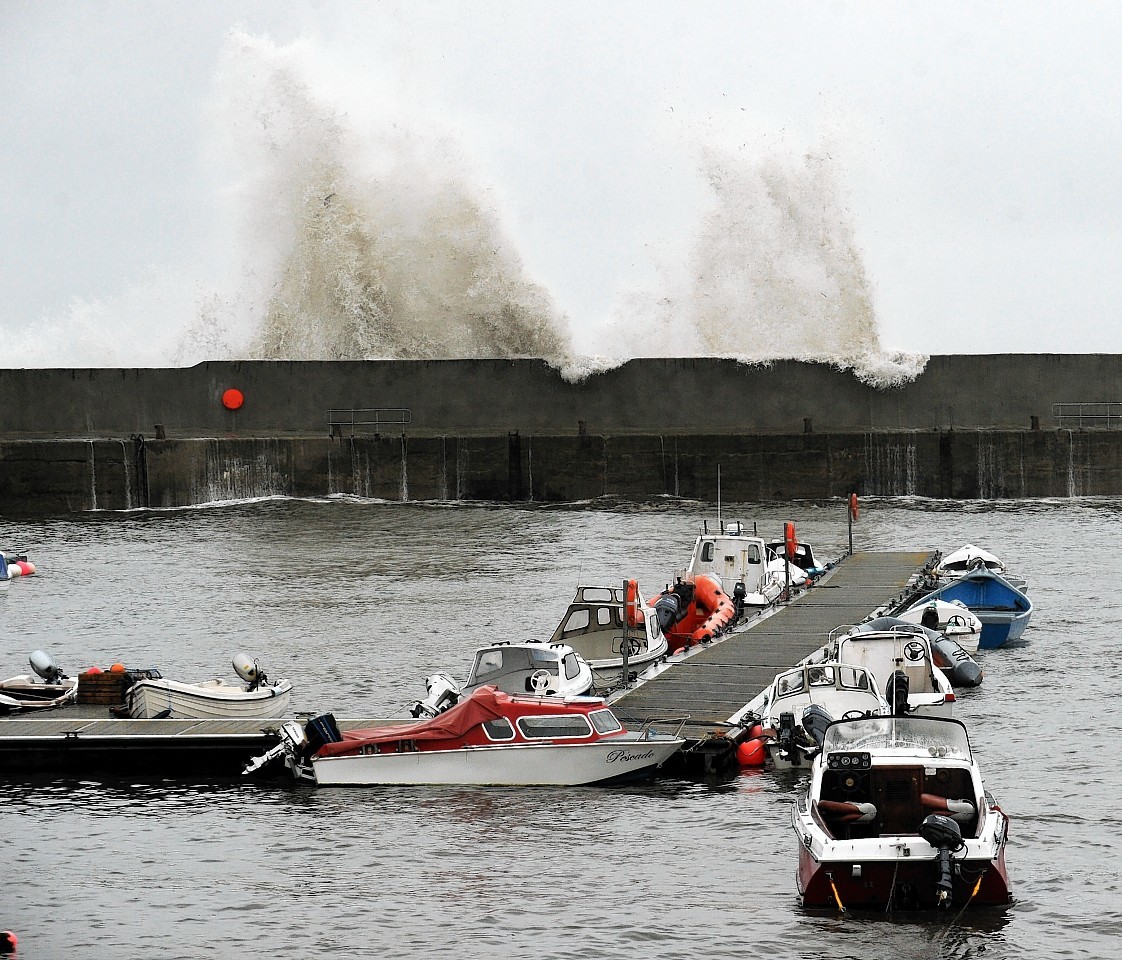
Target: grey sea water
[357,601]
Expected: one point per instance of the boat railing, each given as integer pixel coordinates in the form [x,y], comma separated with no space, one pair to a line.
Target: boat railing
[1106,414]
[647,729]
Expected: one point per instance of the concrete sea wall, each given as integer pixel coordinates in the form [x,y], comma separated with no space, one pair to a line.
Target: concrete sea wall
[516,430]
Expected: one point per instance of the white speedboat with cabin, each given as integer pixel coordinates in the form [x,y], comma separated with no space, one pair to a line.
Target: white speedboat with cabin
[156,697]
[896,816]
[490,738]
[792,713]
[529,667]
[47,687]
[899,655]
[950,618]
[610,626]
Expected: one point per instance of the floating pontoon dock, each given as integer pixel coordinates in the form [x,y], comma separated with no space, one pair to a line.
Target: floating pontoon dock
[709,685]
[714,682]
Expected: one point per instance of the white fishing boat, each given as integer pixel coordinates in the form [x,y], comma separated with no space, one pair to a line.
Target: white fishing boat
[44,689]
[899,655]
[740,562]
[490,738]
[156,697]
[896,816]
[951,618]
[798,705]
[528,667]
[969,558]
[610,626]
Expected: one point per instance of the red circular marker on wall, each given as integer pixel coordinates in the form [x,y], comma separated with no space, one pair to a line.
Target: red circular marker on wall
[232,399]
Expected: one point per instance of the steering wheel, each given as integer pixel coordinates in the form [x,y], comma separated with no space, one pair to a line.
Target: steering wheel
[853,715]
[633,646]
[540,681]
[913,651]
[956,621]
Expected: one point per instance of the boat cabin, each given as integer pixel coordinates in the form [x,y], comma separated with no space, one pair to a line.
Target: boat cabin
[530,667]
[837,687]
[593,625]
[733,556]
[898,771]
[905,649]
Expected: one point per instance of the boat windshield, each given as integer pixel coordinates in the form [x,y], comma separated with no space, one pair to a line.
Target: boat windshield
[937,736]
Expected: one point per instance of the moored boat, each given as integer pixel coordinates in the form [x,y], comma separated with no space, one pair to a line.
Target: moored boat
[528,667]
[1003,609]
[490,738]
[789,717]
[13,565]
[603,623]
[899,655]
[896,815]
[155,696]
[968,558]
[46,688]
[693,611]
[953,619]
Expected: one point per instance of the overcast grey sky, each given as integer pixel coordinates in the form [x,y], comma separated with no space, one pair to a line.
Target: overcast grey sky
[977,147]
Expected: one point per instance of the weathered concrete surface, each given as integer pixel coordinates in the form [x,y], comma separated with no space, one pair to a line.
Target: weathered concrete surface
[494,397]
[61,476]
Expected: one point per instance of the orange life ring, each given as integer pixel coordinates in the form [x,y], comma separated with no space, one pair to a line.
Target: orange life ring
[790,539]
[853,509]
[631,605]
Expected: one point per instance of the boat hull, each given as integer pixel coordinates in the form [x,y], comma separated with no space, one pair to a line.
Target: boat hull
[148,699]
[616,759]
[906,883]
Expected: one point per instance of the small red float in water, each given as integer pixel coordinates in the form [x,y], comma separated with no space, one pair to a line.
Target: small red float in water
[232,399]
[751,753]
[8,941]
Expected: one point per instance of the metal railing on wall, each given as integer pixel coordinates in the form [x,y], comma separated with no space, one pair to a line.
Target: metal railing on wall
[1106,414]
[367,417]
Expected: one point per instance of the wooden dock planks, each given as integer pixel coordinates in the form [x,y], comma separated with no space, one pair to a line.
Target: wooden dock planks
[715,682]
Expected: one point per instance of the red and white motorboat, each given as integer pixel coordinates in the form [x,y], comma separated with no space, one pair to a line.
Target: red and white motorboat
[490,738]
[897,815]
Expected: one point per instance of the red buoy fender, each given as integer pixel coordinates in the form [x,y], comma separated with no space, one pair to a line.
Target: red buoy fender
[751,753]
[233,398]
[791,540]
[853,508]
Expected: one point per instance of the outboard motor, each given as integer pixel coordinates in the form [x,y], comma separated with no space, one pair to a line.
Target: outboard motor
[896,693]
[44,666]
[249,671]
[739,592]
[943,834]
[815,721]
[666,609]
[319,730]
[443,692]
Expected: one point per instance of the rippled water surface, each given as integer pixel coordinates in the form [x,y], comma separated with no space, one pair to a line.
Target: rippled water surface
[358,601]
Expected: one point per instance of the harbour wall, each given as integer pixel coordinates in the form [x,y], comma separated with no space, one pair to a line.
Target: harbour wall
[61,476]
[517,430]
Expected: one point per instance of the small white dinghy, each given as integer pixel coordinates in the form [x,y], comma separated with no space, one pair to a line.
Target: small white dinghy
[257,697]
[48,688]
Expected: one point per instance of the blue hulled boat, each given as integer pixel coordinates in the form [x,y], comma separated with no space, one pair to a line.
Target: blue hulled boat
[1003,609]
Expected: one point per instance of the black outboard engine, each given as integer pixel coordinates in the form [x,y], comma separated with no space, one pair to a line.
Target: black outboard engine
[320,730]
[815,721]
[785,735]
[739,592]
[896,693]
[943,834]
[666,609]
